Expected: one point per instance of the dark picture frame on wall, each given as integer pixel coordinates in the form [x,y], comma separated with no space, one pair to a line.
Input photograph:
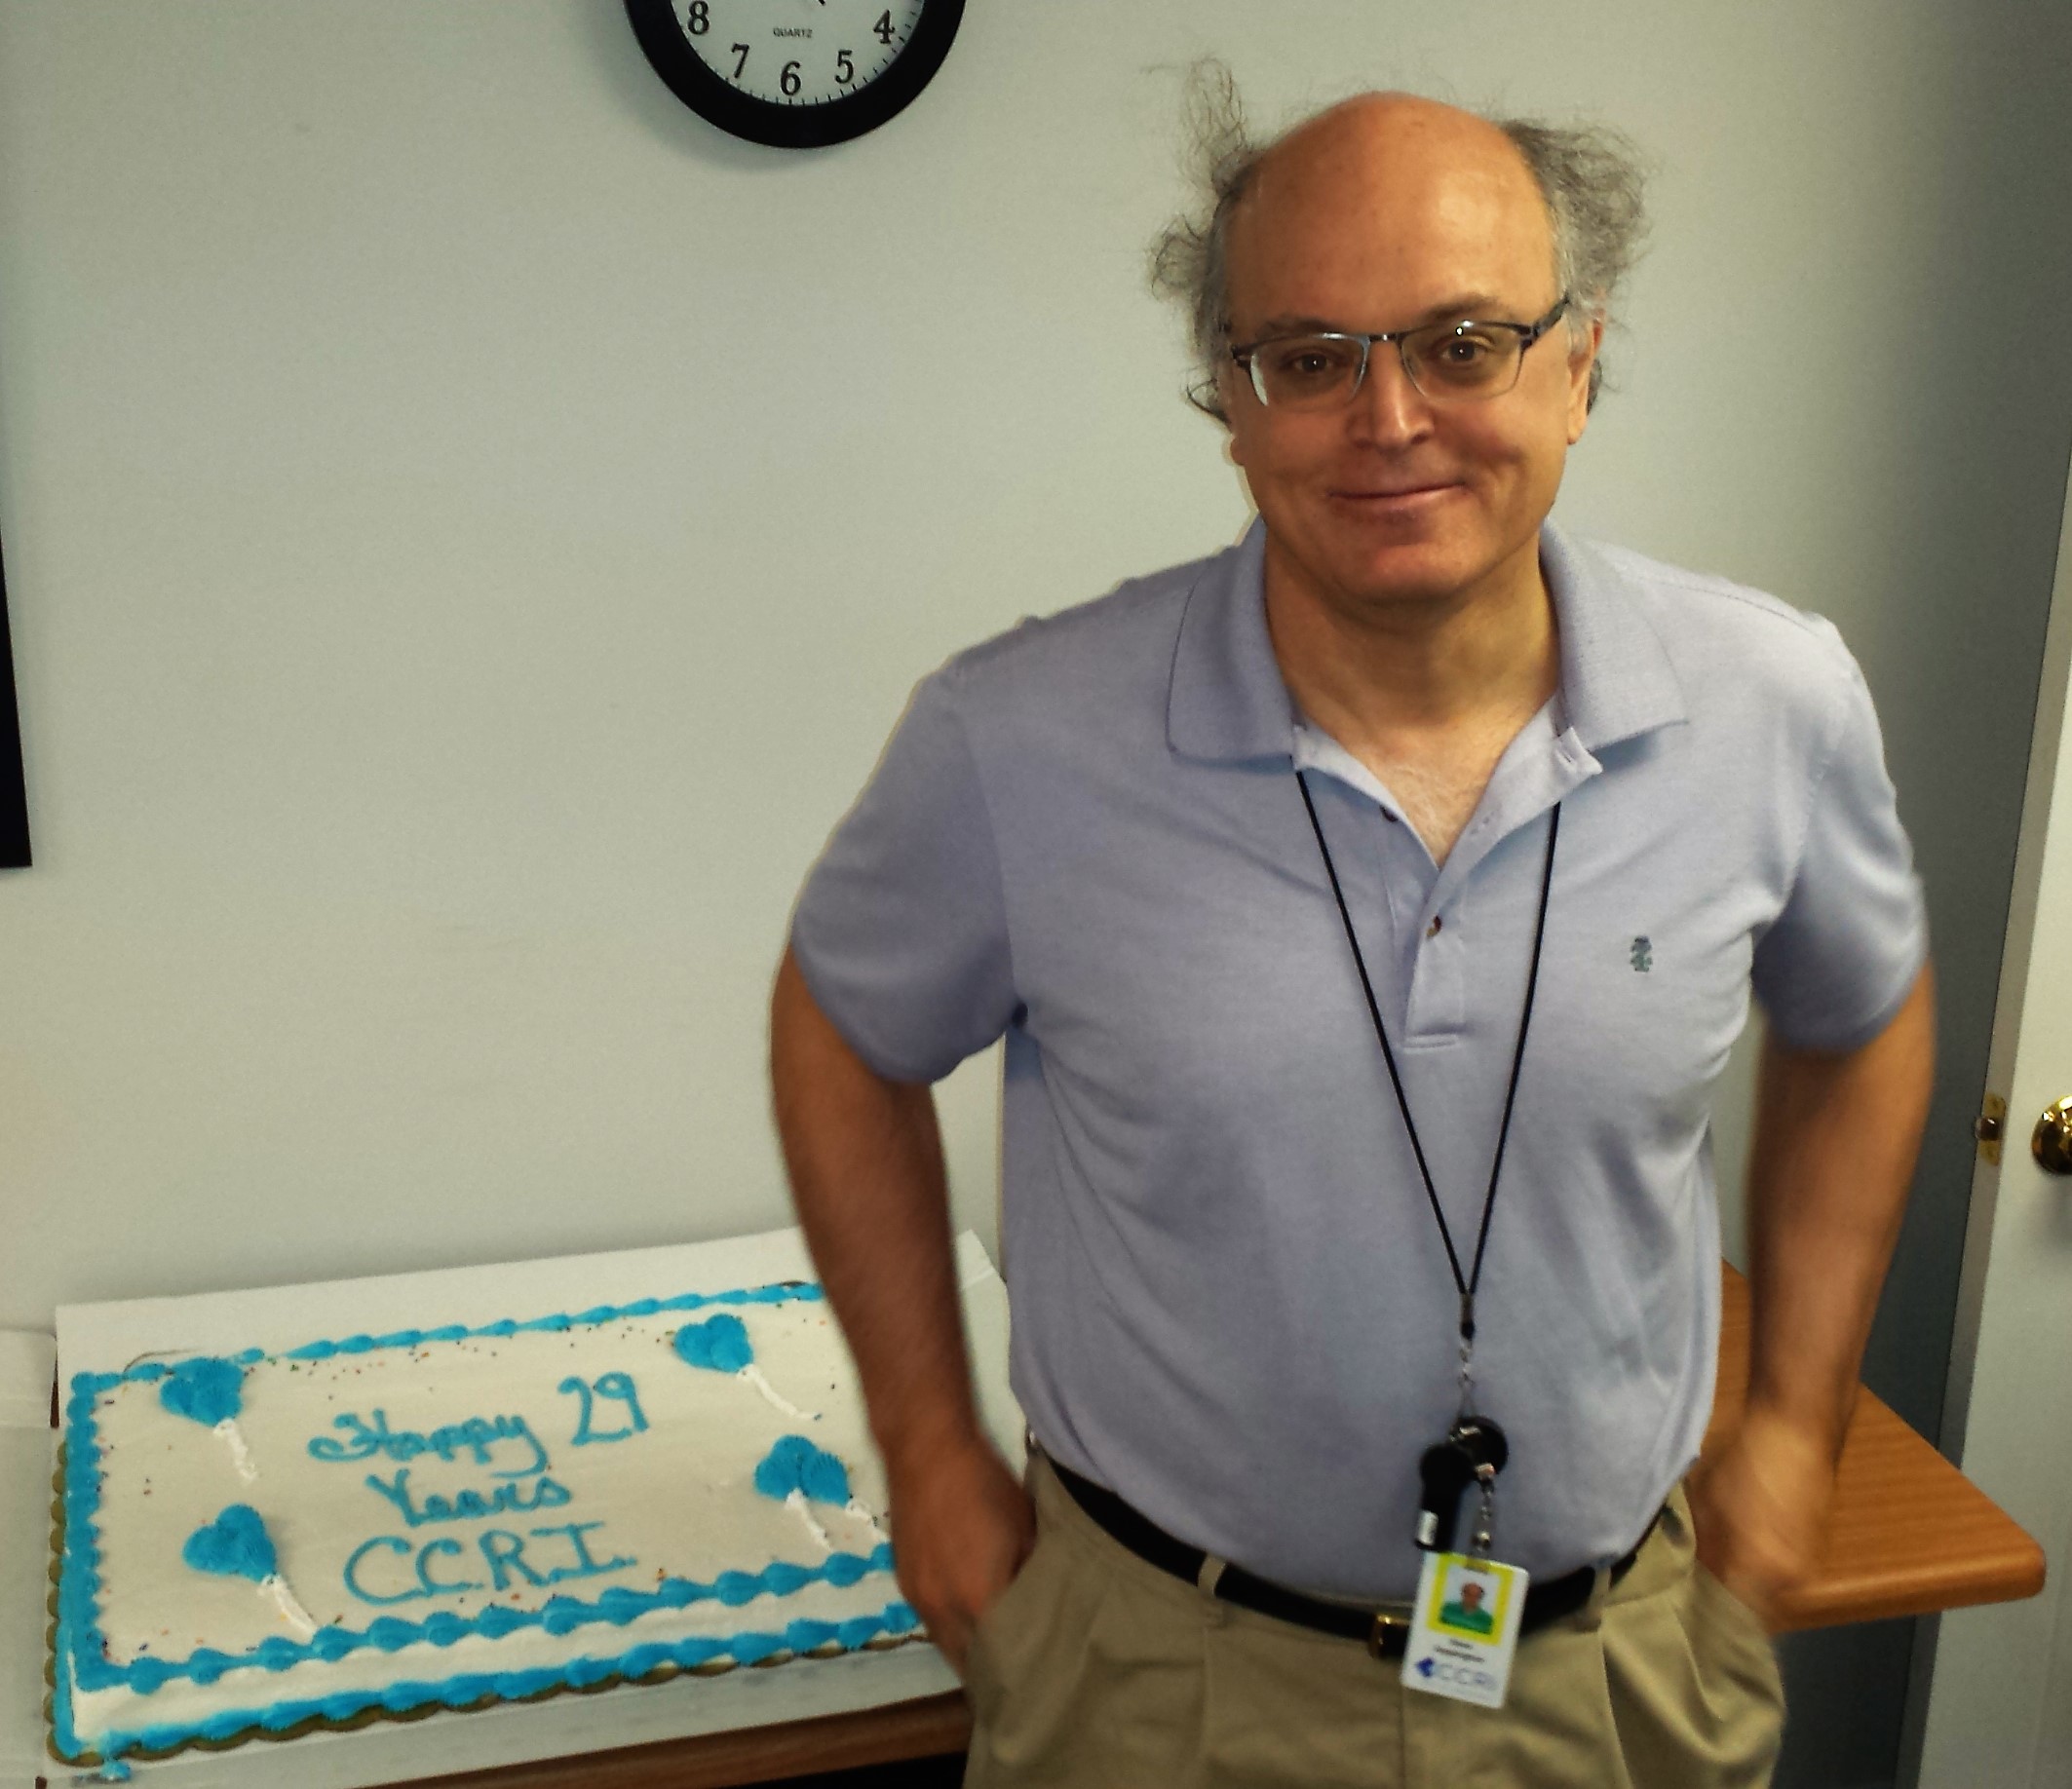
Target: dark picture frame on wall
[14,789]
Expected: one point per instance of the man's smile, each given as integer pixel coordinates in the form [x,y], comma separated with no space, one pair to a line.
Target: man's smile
[1394,497]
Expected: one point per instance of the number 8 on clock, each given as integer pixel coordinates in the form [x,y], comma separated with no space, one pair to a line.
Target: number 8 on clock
[796,74]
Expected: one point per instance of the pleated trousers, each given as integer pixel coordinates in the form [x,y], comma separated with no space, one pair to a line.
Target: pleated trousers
[1096,1670]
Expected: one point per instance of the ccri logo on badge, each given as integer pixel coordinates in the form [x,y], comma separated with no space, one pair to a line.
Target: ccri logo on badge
[1465,1628]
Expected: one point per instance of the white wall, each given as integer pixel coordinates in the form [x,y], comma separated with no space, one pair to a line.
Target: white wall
[469,528]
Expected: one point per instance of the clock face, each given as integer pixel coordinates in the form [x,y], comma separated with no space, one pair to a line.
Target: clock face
[795,73]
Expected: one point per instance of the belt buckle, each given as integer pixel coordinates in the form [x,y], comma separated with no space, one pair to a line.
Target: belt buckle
[1384,1619]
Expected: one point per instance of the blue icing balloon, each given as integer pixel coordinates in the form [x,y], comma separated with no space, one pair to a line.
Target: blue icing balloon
[209,1390]
[235,1545]
[720,1342]
[794,1463]
[826,1480]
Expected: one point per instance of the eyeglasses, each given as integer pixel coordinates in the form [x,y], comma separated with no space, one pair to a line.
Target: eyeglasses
[1447,362]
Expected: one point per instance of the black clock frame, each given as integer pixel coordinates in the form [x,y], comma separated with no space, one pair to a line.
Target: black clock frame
[794,127]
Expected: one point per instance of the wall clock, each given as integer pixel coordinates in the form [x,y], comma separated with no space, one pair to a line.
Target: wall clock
[795,73]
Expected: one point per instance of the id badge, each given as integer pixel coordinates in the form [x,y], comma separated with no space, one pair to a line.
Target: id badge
[1465,1628]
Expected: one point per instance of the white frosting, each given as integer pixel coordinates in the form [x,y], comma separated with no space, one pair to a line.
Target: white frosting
[677,1498]
[292,1611]
[796,1502]
[239,1455]
[866,1516]
[776,1400]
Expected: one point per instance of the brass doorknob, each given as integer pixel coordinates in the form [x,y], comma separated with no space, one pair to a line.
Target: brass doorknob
[2050,1143]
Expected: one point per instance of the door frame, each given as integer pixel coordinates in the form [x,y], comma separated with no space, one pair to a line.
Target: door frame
[2049,775]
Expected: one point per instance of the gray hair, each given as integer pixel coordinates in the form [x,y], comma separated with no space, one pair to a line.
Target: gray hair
[1590,175]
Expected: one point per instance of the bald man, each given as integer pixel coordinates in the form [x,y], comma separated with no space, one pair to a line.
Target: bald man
[1367,911]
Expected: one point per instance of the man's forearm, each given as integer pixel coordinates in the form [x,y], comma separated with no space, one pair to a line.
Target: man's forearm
[865,1161]
[1835,1143]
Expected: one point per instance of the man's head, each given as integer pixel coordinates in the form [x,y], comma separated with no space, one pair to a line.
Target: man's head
[1471,1596]
[1382,215]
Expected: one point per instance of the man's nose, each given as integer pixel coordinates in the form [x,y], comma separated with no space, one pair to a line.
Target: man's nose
[1388,409]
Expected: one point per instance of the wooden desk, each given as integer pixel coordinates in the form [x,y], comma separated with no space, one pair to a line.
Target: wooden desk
[1912,1535]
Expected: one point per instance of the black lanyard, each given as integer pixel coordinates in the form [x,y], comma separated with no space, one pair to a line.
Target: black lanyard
[1469,1281]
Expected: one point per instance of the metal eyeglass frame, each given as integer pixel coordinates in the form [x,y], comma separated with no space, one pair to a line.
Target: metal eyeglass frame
[1527,335]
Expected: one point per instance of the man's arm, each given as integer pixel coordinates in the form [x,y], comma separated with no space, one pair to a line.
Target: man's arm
[867,1176]
[1835,1142]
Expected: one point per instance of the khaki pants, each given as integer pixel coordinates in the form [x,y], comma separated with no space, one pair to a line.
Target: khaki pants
[1095,1670]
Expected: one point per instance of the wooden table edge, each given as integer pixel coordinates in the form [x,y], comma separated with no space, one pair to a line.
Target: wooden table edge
[1836,1600]
[892,1732]
[1995,1560]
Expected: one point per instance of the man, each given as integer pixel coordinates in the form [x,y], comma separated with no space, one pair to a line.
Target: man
[1467,1610]
[1369,911]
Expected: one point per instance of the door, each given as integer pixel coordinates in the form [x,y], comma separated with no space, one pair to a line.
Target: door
[1999,1704]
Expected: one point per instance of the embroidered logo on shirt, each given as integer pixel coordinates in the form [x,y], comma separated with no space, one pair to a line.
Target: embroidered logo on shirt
[1643,955]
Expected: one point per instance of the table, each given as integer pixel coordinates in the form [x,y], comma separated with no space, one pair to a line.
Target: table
[1912,1535]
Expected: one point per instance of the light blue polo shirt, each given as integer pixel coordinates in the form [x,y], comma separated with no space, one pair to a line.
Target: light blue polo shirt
[1230,1300]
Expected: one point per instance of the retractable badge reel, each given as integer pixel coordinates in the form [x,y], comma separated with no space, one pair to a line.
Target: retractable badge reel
[1464,1628]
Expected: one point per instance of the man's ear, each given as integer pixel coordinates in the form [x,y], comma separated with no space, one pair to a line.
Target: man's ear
[1226,397]
[1580,361]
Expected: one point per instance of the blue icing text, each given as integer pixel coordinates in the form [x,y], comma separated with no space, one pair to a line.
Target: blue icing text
[466,1504]
[794,1463]
[209,1390]
[720,1342]
[502,1552]
[618,1388]
[235,1544]
[477,1436]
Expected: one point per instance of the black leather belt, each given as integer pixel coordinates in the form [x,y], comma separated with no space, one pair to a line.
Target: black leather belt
[1385,1630]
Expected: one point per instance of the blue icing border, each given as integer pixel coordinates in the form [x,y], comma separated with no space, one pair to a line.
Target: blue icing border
[463,1691]
[78,1641]
[785,1292]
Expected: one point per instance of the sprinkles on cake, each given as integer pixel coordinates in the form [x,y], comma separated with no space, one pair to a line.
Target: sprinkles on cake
[720,1345]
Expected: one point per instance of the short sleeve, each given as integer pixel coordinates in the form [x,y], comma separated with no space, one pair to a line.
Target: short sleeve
[900,932]
[1840,958]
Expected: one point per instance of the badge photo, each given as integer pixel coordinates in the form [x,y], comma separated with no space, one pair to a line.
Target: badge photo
[1470,1600]
[1466,1628]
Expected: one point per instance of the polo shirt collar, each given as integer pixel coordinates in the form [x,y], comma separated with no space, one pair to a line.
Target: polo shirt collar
[1617,682]
[1227,702]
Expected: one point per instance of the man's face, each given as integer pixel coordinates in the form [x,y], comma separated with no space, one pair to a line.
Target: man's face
[1471,1596]
[1385,214]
